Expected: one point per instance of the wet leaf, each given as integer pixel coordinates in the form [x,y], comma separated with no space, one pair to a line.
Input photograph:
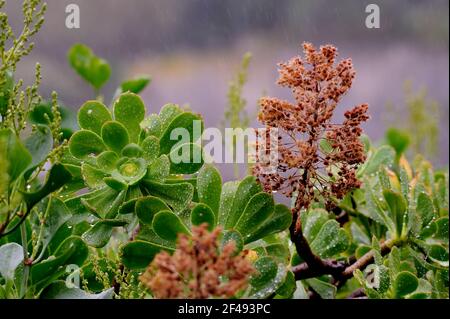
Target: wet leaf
[209,187]
[167,225]
[129,109]
[86,143]
[115,136]
[92,115]
[203,214]
[90,67]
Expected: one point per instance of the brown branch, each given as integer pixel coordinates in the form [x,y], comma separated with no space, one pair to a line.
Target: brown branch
[339,270]
[313,266]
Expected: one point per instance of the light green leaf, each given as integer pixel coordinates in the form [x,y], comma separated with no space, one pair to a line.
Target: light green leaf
[115,136]
[226,200]
[90,67]
[209,187]
[279,221]
[17,155]
[330,240]
[39,144]
[86,143]
[129,109]
[92,115]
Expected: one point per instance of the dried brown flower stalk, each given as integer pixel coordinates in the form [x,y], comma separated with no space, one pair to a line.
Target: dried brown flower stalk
[317,159]
[198,269]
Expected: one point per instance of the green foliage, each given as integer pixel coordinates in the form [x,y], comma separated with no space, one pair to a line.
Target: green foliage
[419,121]
[96,71]
[254,223]
[406,207]
[121,190]
[90,67]
[235,115]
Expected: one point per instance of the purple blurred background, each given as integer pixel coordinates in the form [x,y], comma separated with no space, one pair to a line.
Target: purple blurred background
[192,49]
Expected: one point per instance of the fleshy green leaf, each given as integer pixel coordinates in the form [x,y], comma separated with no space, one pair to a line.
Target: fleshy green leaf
[192,125]
[167,113]
[92,115]
[39,144]
[107,160]
[159,169]
[270,276]
[203,214]
[324,289]
[397,208]
[246,190]
[135,85]
[330,240]
[92,176]
[115,136]
[167,225]
[72,251]
[226,200]
[404,284]
[259,208]
[139,254]
[279,221]
[56,215]
[186,159]
[85,143]
[98,236]
[56,178]
[129,109]
[147,207]
[398,139]
[209,187]
[90,67]
[177,196]
[383,156]
[17,155]
[425,208]
[150,147]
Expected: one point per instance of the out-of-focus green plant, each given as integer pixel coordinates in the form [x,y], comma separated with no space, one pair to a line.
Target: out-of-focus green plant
[96,71]
[30,216]
[420,121]
[235,115]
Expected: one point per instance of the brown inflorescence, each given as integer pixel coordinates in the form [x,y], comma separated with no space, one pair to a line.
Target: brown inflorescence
[317,159]
[199,268]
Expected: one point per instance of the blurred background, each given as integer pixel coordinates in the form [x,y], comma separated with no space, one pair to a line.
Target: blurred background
[193,48]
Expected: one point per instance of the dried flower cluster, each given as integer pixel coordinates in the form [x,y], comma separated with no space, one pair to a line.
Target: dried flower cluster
[316,159]
[198,269]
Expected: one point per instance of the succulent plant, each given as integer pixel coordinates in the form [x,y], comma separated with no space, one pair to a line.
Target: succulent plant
[121,161]
[247,215]
[406,207]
